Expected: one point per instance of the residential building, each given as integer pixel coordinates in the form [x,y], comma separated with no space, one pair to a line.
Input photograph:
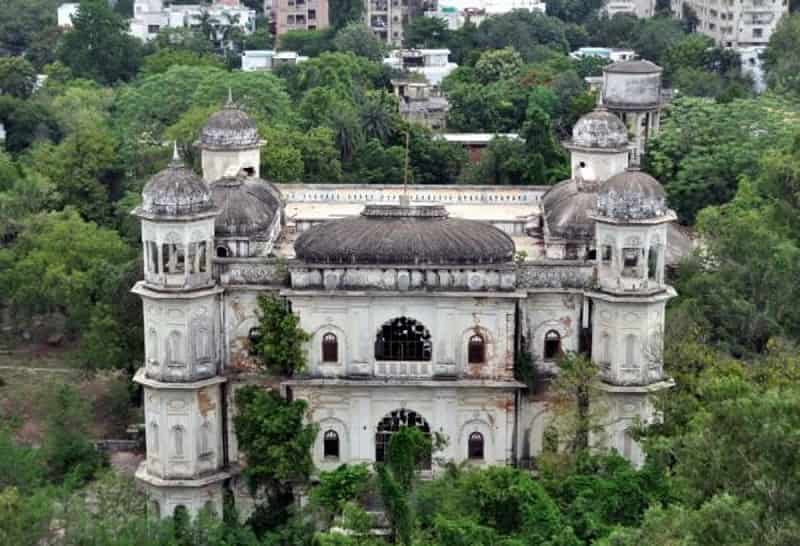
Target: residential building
[457,12]
[753,65]
[388,18]
[433,64]
[300,15]
[268,59]
[421,103]
[151,16]
[611,53]
[65,13]
[734,23]
[638,8]
[475,143]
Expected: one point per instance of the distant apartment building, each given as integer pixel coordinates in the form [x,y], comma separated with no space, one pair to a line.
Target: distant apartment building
[638,8]
[432,64]
[65,12]
[456,13]
[299,15]
[253,60]
[421,103]
[613,54]
[151,16]
[735,23]
[388,18]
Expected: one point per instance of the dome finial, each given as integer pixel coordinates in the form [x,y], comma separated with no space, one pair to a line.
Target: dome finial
[176,157]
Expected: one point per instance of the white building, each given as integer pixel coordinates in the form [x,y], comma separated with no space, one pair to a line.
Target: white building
[753,66]
[456,13]
[434,64]
[65,13]
[638,8]
[418,301]
[150,16]
[731,23]
[611,53]
[269,59]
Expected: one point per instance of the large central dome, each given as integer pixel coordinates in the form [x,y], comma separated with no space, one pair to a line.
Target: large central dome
[407,235]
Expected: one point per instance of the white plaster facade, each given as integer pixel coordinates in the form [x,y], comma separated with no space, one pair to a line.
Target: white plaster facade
[472,321]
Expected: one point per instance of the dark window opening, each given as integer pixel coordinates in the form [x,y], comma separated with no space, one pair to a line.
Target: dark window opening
[591,255]
[572,252]
[222,252]
[552,345]
[475,446]
[330,348]
[652,263]
[403,339]
[394,422]
[630,257]
[476,350]
[249,171]
[607,253]
[330,445]
[582,164]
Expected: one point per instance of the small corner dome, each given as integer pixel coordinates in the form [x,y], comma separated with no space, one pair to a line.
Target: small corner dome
[407,235]
[175,191]
[600,129]
[248,206]
[230,129]
[632,195]
[567,209]
[639,66]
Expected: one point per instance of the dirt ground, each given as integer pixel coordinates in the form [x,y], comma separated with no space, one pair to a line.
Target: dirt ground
[30,375]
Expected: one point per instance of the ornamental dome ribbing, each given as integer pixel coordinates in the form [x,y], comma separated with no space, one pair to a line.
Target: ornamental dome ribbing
[632,195]
[175,191]
[248,206]
[599,129]
[567,207]
[229,129]
[407,235]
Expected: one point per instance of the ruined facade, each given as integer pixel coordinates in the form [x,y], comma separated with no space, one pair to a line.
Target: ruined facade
[418,302]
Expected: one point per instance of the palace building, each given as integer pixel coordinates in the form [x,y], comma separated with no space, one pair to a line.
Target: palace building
[418,302]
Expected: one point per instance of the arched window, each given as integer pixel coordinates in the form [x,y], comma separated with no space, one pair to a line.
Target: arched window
[552,345]
[403,339]
[222,252]
[393,422]
[330,445]
[652,263]
[476,349]
[475,446]
[330,348]
[174,355]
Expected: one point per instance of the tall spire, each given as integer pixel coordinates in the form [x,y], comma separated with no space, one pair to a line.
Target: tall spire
[176,156]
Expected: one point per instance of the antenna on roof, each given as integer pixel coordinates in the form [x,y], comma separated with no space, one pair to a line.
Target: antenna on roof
[404,199]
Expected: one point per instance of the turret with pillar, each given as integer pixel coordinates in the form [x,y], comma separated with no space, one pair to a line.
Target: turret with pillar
[183,399]
[632,91]
[628,302]
[230,143]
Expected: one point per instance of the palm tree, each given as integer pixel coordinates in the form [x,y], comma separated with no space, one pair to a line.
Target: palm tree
[347,131]
[377,116]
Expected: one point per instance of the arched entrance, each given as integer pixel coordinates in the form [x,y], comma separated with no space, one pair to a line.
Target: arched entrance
[393,422]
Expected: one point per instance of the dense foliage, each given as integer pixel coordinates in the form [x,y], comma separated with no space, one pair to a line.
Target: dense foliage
[722,467]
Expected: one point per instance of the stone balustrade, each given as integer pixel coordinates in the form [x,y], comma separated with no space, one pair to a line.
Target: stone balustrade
[555,274]
[401,279]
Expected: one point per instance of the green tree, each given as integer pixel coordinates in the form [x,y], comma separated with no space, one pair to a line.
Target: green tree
[279,342]
[21,20]
[426,32]
[343,12]
[61,263]
[703,150]
[17,77]
[339,487]
[276,441]
[66,448]
[780,62]
[576,402]
[358,39]
[307,42]
[160,61]
[98,46]
[499,64]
